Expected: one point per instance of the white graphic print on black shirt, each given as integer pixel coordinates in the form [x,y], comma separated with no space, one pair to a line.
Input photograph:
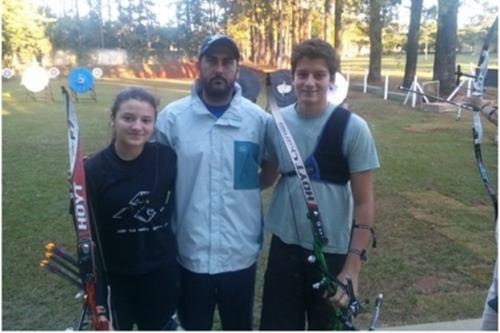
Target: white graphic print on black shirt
[132,202]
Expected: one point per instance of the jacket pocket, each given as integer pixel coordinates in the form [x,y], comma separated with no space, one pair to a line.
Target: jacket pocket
[246,166]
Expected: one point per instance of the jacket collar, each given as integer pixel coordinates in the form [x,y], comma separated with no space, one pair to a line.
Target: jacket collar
[231,117]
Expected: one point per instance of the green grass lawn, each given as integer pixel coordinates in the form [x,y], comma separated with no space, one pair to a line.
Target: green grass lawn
[434,220]
[394,66]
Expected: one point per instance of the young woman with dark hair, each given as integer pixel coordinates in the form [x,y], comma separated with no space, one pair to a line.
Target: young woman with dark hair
[130,186]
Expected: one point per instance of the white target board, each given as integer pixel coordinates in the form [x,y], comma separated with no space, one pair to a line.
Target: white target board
[338,90]
[35,78]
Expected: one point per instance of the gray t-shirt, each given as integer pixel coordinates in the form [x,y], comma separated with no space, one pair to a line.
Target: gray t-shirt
[287,215]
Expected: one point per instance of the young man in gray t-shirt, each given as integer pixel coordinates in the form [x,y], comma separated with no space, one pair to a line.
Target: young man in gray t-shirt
[342,184]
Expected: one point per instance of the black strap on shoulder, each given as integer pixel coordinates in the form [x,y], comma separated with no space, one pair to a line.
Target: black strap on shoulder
[333,165]
[328,162]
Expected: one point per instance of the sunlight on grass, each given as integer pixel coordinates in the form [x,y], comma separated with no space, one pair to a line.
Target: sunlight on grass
[473,241]
[425,198]
[28,108]
[427,127]
[394,65]
[430,207]
[420,214]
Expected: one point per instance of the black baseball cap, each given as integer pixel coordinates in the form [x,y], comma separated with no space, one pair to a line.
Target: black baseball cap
[219,40]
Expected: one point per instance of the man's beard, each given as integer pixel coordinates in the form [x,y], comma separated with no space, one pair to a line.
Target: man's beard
[217,92]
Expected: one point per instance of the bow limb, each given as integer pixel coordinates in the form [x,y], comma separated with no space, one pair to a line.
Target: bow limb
[478,86]
[82,219]
[477,129]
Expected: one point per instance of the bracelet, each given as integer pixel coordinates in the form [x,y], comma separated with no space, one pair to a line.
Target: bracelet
[360,253]
[372,231]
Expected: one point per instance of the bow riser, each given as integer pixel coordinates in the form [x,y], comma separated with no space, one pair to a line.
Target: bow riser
[81,217]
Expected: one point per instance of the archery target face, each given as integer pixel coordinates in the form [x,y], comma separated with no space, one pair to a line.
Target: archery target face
[35,79]
[97,73]
[7,73]
[53,72]
[80,80]
[338,91]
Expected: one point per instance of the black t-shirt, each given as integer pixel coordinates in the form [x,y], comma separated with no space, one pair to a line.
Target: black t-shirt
[132,203]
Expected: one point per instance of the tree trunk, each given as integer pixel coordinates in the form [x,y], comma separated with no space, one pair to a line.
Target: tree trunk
[262,44]
[375,65]
[253,38]
[339,10]
[188,17]
[305,22]
[295,25]
[309,24]
[327,20]
[211,16]
[270,48]
[280,33]
[446,45]
[412,43]
[285,58]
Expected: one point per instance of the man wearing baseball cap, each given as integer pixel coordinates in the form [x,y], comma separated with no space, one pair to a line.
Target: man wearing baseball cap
[214,40]
[218,136]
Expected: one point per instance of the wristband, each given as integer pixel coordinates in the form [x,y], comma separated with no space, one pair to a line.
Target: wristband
[372,231]
[360,253]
